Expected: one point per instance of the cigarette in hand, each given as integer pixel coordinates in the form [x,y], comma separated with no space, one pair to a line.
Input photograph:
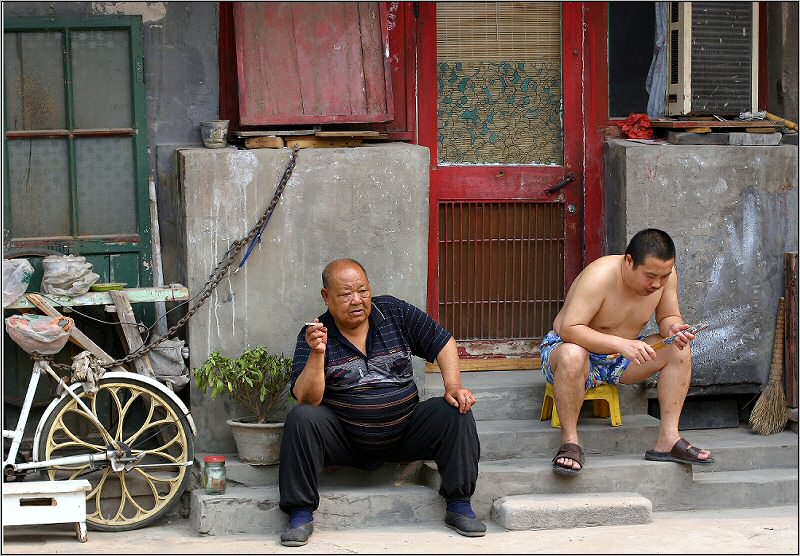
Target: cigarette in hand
[312,323]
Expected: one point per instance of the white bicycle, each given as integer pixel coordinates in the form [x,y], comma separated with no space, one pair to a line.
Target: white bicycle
[132,439]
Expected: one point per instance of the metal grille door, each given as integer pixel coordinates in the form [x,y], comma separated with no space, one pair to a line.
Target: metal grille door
[500,268]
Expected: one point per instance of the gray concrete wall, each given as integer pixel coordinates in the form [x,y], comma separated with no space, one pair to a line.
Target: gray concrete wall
[732,212]
[369,203]
[782,24]
[181,84]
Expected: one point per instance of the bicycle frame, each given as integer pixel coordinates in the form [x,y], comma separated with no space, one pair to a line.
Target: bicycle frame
[39,368]
[111,455]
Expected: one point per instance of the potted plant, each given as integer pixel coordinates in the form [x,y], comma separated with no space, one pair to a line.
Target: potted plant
[259,381]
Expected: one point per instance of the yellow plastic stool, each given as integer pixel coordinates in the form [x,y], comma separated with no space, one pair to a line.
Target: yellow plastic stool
[608,393]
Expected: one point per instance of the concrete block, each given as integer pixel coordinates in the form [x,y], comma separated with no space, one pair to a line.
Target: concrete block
[686,138]
[255,509]
[732,212]
[754,139]
[564,511]
[239,510]
[369,203]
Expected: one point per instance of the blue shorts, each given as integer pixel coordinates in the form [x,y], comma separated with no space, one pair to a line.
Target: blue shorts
[601,369]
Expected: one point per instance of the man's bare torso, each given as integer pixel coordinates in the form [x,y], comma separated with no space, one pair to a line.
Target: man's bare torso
[622,312]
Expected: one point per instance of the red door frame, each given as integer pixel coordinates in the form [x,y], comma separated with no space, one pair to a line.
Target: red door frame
[513,182]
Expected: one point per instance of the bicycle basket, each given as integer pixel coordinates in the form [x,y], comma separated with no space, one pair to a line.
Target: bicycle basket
[39,334]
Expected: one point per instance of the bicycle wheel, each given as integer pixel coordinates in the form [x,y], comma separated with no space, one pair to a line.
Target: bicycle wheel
[145,421]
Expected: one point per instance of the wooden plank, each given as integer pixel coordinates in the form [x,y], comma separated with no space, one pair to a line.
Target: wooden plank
[322,142]
[759,130]
[129,333]
[276,132]
[352,133]
[267,142]
[371,54]
[790,362]
[75,336]
[135,295]
[507,364]
[782,121]
[328,57]
[266,61]
[682,124]
[698,130]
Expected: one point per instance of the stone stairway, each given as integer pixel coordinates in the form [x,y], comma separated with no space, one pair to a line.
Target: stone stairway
[516,486]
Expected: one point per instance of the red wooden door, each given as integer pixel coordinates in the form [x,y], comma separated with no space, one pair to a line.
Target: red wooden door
[500,94]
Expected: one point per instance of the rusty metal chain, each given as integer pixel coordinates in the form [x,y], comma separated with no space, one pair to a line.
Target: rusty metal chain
[216,276]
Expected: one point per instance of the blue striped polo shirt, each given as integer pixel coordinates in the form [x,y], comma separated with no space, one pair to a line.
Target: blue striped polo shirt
[373,395]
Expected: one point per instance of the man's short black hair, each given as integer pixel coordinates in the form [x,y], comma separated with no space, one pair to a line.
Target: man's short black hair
[326,272]
[650,243]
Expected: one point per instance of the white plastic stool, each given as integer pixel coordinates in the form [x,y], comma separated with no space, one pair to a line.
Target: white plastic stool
[44,502]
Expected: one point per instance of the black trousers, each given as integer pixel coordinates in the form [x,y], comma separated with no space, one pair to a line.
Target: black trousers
[313,438]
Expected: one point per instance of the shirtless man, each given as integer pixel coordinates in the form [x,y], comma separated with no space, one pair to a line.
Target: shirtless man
[607,307]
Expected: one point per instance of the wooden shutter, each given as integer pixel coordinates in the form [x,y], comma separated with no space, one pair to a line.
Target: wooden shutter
[312,63]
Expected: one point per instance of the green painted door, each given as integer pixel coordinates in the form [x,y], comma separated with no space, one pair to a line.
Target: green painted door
[75,145]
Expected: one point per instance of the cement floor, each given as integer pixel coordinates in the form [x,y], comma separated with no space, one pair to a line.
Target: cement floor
[749,531]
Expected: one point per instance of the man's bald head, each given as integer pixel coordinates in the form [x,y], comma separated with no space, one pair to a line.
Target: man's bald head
[335,265]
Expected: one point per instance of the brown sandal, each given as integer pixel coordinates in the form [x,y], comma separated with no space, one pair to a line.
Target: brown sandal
[571,451]
[681,452]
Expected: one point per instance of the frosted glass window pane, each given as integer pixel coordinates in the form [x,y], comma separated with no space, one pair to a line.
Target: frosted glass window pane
[106,186]
[38,178]
[33,71]
[101,75]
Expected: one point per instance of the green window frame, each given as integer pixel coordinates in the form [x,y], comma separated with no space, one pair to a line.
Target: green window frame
[102,249]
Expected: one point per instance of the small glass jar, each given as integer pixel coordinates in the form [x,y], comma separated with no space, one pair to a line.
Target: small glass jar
[214,476]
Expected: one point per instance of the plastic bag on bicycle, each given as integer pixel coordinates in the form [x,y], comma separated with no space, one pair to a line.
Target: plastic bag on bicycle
[39,334]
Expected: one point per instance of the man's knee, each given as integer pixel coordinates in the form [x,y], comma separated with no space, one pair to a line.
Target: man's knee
[570,363]
[450,416]
[680,358]
[305,415]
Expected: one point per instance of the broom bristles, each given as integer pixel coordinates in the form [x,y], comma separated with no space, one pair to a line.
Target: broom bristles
[770,413]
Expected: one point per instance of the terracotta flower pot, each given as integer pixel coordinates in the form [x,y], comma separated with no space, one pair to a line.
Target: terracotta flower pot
[257,443]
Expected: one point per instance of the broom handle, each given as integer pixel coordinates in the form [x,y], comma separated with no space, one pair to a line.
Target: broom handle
[776,369]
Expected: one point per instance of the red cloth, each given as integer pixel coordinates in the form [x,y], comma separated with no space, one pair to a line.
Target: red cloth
[637,126]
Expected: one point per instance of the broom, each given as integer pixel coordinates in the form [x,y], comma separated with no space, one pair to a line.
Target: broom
[770,413]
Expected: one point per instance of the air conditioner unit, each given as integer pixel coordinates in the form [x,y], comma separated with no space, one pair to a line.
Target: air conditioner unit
[713,58]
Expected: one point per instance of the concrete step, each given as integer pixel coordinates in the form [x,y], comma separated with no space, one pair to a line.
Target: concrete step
[505,439]
[517,395]
[741,449]
[669,486]
[564,511]
[255,509]
[244,474]
[659,482]
[754,488]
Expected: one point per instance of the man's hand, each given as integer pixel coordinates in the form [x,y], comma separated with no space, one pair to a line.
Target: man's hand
[460,397]
[683,338]
[636,351]
[317,336]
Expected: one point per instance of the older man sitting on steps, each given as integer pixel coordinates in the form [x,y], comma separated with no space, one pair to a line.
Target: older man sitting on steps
[607,307]
[359,404]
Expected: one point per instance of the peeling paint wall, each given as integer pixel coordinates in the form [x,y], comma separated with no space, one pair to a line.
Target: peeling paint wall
[369,203]
[732,212]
